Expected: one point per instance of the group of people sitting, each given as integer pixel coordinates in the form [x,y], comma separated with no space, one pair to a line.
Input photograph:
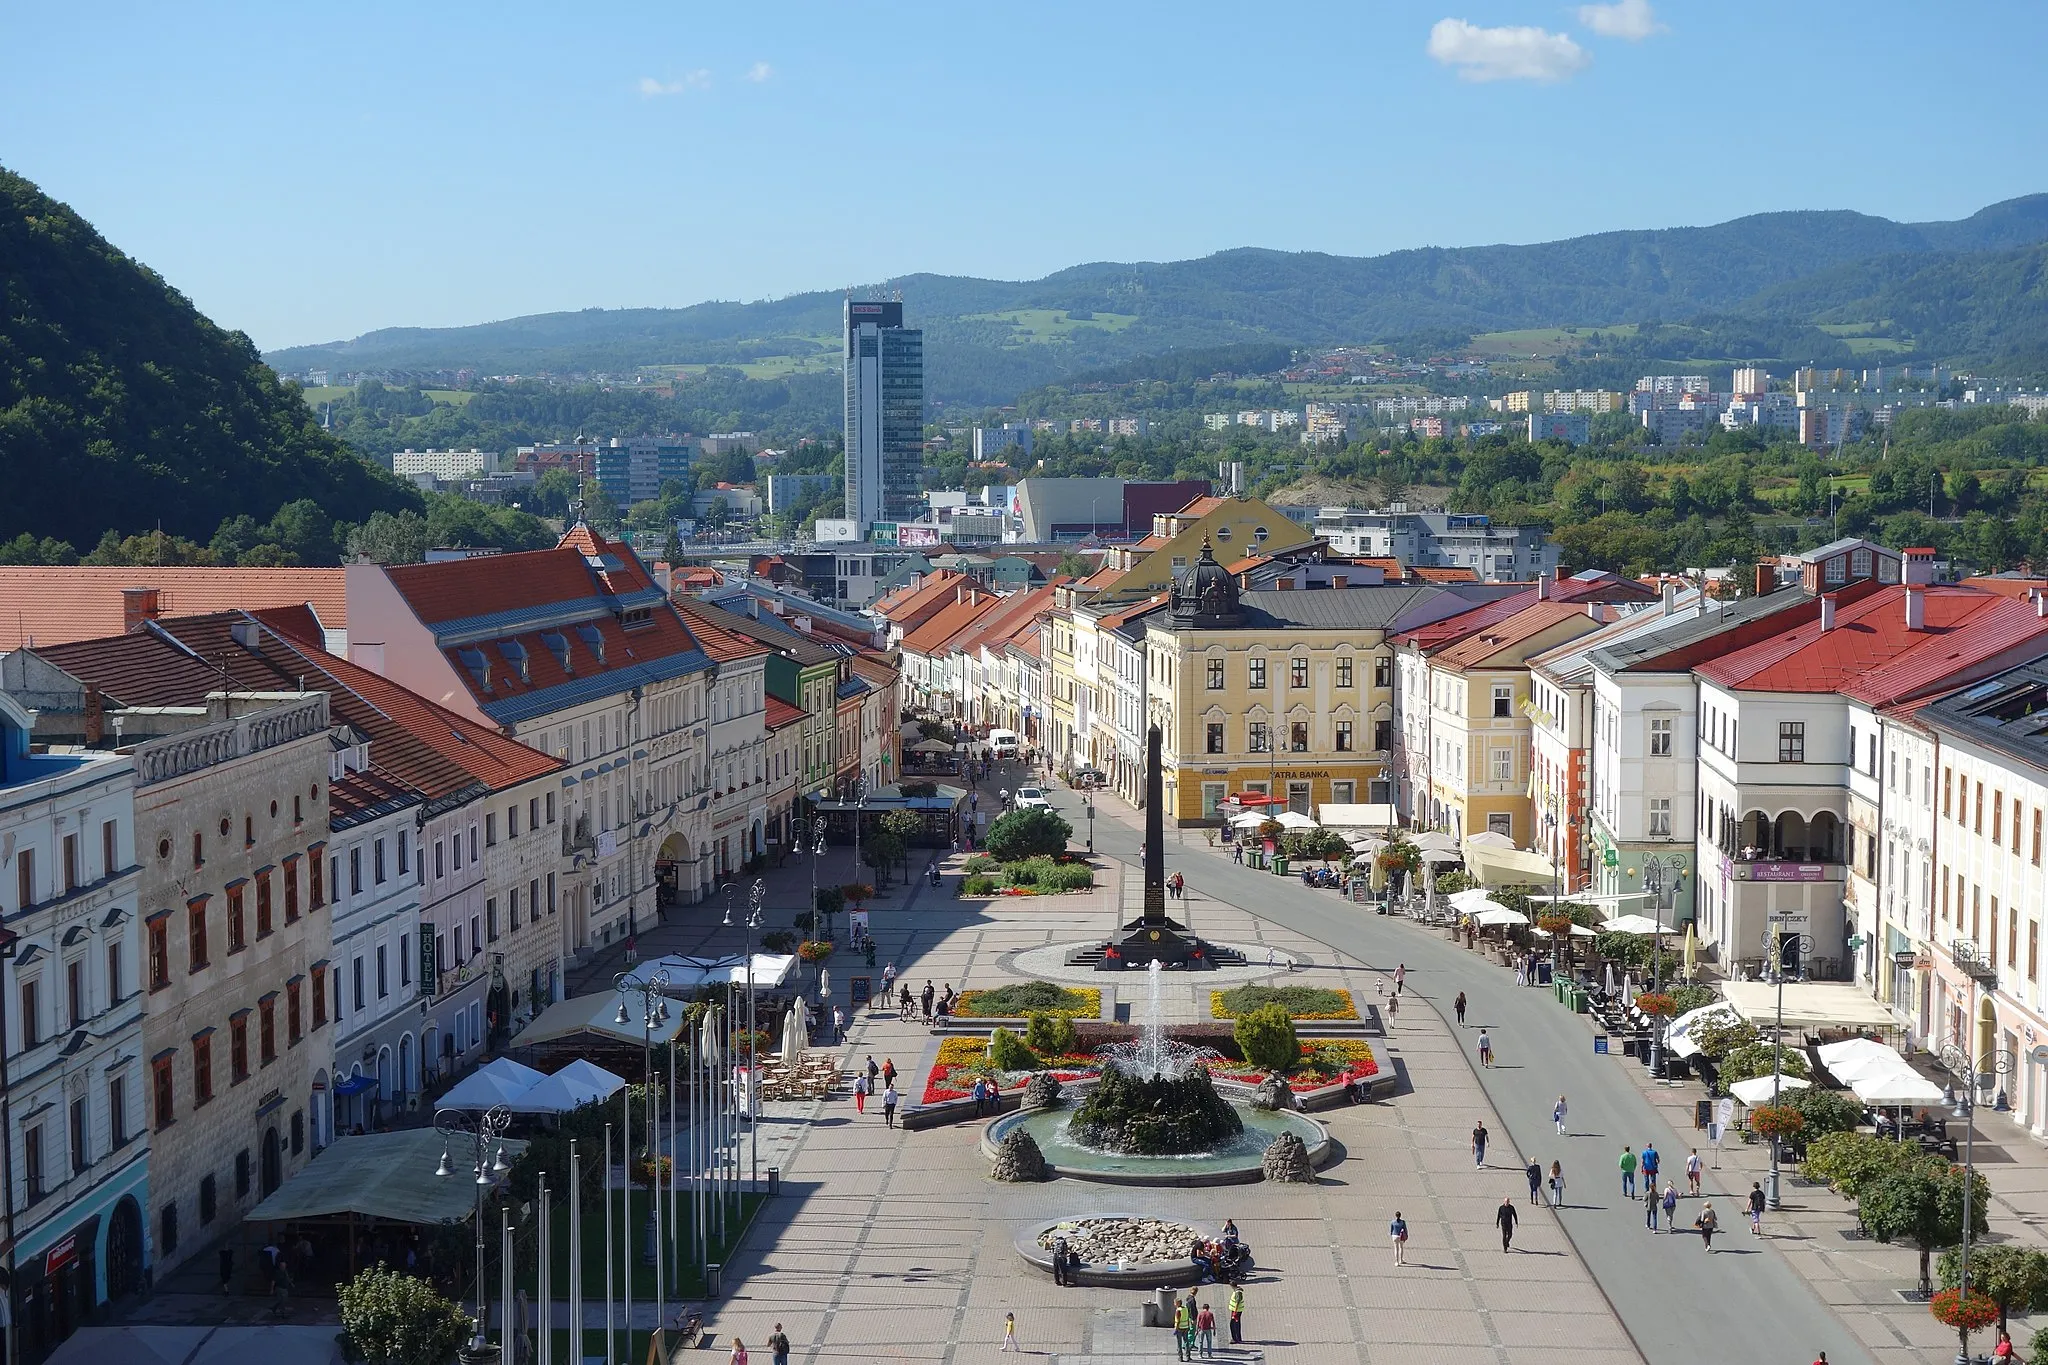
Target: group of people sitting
[1226,1258]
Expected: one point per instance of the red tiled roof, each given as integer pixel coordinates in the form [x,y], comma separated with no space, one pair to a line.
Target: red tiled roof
[1871,656]
[1492,639]
[911,605]
[1430,573]
[1998,583]
[948,622]
[781,713]
[54,606]
[1438,633]
[457,589]
[1200,506]
[1102,578]
[720,642]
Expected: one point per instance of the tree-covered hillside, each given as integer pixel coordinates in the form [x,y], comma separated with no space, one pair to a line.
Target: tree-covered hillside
[122,407]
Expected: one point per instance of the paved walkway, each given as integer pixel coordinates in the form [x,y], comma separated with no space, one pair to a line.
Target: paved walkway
[1844,1296]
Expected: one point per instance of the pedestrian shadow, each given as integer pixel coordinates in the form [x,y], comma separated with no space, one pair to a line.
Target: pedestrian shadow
[1425,1265]
[1527,1251]
[1738,1251]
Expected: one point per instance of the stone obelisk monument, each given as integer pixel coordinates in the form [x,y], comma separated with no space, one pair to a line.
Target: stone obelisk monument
[1155,834]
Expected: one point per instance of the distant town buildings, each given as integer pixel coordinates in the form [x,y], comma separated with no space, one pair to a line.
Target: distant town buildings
[785,491]
[634,470]
[1467,540]
[1573,428]
[443,464]
[991,442]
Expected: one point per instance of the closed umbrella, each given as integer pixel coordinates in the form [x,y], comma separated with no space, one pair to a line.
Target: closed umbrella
[1692,951]
[1607,979]
[792,1040]
[824,988]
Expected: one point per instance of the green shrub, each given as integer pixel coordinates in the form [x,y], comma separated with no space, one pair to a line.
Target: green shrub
[978,886]
[778,941]
[1850,1163]
[831,900]
[1298,1001]
[1825,1111]
[1449,883]
[1051,1035]
[1023,872]
[1028,997]
[1755,1059]
[1022,833]
[1716,1038]
[1266,1038]
[1068,877]
[979,862]
[1690,998]
[1007,1052]
[392,1319]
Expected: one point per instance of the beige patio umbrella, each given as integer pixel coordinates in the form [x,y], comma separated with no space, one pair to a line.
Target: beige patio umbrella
[1692,952]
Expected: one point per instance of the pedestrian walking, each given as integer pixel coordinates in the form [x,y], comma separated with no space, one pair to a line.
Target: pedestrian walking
[889,979]
[1670,1206]
[1059,1261]
[838,1025]
[888,1071]
[778,1345]
[227,1269]
[1398,1231]
[889,1098]
[1708,1225]
[975,1092]
[928,996]
[1237,856]
[1205,1324]
[1236,1314]
[1556,1185]
[1459,1006]
[1521,971]
[873,1070]
[1485,1048]
[1535,1174]
[1479,1143]
[1505,1216]
[1650,1205]
[1400,977]
[1557,1113]
[739,1353]
[1393,1007]
[1649,1162]
[1628,1172]
[1756,1208]
[632,949]
[1010,1333]
[860,1095]
[1692,1172]
[1183,1330]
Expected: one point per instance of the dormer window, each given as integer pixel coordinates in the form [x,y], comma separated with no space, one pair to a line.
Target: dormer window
[558,645]
[479,667]
[593,641]
[515,655]
[638,618]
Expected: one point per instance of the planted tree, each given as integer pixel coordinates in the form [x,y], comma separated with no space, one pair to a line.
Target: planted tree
[1267,1039]
[389,1318]
[1028,832]
[2014,1277]
[1923,1204]
[1825,1111]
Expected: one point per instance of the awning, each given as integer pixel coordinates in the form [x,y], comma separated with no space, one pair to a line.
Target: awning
[498,1081]
[1342,815]
[579,1083]
[1637,924]
[1492,915]
[1497,866]
[1678,1037]
[1757,1089]
[1294,820]
[597,1015]
[1808,1004]
[354,1085]
[381,1175]
[686,973]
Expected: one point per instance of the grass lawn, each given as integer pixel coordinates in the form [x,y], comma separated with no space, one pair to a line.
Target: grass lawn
[1053,324]
[592,1253]
[1543,341]
[328,394]
[593,1345]
[455,398]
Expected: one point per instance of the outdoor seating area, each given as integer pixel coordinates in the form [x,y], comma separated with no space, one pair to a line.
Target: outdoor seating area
[813,1076]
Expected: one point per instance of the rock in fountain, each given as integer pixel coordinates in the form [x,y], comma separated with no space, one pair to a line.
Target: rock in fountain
[1286,1161]
[1018,1159]
[1042,1091]
[1271,1093]
[1155,1097]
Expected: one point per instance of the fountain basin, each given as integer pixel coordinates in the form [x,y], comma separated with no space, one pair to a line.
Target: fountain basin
[1131,1273]
[1236,1162]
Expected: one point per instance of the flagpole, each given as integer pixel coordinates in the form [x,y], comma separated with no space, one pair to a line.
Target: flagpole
[544,1282]
[609,1246]
[575,1257]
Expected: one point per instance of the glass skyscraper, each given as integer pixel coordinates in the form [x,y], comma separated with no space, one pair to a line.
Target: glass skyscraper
[884,413]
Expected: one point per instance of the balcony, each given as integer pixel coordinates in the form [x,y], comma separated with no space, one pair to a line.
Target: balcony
[1972,962]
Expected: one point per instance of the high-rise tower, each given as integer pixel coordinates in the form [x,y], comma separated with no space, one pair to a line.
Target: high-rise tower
[884,412]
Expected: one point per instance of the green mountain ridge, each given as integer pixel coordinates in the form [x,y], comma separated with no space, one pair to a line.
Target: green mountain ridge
[122,406]
[1780,267]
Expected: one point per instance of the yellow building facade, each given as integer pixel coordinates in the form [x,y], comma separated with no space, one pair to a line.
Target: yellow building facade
[1235,527]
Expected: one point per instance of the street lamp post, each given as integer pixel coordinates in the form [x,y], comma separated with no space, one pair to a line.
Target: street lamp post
[652,991]
[755,895]
[482,1129]
[1958,1056]
[1653,883]
[1088,804]
[860,807]
[1775,943]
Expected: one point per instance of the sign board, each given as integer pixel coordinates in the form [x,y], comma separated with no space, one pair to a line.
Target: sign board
[1724,1112]
[1714,1131]
[861,988]
[835,530]
[917,535]
[607,843]
[1782,872]
[62,1253]
[1790,921]
[1599,1043]
[857,922]
[430,974]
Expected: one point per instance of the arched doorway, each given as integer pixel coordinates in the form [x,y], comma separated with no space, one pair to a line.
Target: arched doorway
[322,1111]
[407,1074]
[273,1162]
[385,1070]
[124,1250]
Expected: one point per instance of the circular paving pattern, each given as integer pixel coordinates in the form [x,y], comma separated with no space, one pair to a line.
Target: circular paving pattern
[1049,963]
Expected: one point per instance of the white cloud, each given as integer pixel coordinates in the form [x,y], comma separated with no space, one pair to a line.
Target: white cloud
[1630,19]
[1504,54]
[699,79]
[759,71]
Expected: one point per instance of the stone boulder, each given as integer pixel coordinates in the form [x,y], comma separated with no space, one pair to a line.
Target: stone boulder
[1042,1091]
[1018,1159]
[1286,1160]
[1271,1093]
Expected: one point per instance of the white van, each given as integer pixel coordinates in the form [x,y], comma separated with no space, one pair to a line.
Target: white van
[1003,743]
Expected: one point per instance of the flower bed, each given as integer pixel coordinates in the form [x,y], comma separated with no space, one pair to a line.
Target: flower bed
[1324,1062]
[1300,1002]
[1042,875]
[1011,1002]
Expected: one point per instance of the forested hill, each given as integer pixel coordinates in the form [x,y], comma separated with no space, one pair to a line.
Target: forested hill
[988,340]
[122,407]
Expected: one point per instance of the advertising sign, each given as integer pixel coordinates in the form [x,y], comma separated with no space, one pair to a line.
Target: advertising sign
[836,530]
[917,535]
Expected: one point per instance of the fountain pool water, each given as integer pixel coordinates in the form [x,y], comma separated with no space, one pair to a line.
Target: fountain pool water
[1154,1056]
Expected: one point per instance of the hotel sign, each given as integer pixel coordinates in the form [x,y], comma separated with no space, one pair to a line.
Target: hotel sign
[1782,872]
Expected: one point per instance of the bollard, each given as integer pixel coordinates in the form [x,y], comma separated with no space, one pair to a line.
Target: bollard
[714,1281]
[774,1180]
[1162,1306]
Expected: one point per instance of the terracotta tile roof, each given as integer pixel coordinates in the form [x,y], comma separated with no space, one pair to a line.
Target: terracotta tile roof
[413,740]
[1439,633]
[1390,567]
[1430,573]
[781,713]
[1998,583]
[1200,507]
[719,641]
[1123,615]
[365,795]
[932,636]
[54,606]
[1497,637]
[1102,578]
[807,652]
[1870,655]
[911,605]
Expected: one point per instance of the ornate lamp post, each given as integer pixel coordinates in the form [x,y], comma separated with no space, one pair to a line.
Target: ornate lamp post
[481,1130]
[1775,945]
[755,895]
[860,808]
[1973,1071]
[652,991]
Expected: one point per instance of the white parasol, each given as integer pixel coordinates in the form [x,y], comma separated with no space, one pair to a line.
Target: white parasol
[824,987]
[793,1039]
[1294,820]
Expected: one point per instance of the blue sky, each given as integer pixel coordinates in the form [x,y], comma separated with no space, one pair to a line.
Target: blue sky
[310,172]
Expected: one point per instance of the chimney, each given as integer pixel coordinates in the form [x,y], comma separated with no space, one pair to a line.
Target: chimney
[1919,565]
[1542,587]
[1827,612]
[2041,604]
[1916,607]
[138,605]
[95,717]
[1766,578]
[1670,597]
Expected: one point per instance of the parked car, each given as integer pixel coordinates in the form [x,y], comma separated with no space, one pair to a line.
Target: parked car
[1028,797]
[1090,777]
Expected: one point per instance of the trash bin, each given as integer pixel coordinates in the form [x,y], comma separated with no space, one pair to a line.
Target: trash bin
[774,1180]
[1543,976]
[1162,1306]
[1279,864]
[714,1281]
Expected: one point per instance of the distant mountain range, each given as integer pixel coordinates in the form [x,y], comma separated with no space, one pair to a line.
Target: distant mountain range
[1967,292]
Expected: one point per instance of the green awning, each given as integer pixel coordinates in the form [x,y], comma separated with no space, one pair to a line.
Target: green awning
[383,1175]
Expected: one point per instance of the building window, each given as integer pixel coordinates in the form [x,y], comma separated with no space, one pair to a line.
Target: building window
[291,890]
[1660,738]
[1998,819]
[195,929]
[32,1162]
[1343,736]
[1297,736]
[1297,672]
[1503,701]
[512,910]
[1791,741]
[1214,742]
[1503,765]
[315,887]
[73,874]
[81,1135]
[383,975]
[1980,808]
[242,1173]
[113,975]
[1383,671]
[266,1027]
[1947,774]
[2037,839]
[2033,950]
[319,996]
[1259,742]
[440,858]
[491,917]
[166,1092]
[31,1014]
[1660,817]
[490,829]
[238,936]
[293,1029]
[209,1199]
[1344,671]
[359,985]
[202,1067]
[1215,675]
[1382,737]
[238,1047]
[160,951]
[117,1109]
[74,990]
[1258,668]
